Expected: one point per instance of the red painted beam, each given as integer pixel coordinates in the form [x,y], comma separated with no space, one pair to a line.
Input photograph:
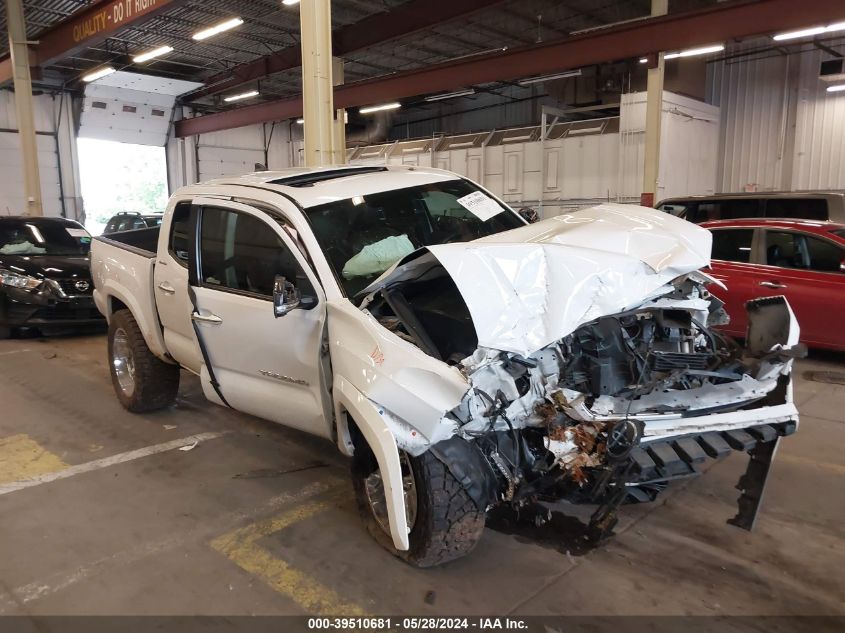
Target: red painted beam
[404,20]
[679,31]
[89,27]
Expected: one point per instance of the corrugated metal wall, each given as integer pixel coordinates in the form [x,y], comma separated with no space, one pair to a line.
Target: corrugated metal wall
[53,147]
[819,131]
[780,129]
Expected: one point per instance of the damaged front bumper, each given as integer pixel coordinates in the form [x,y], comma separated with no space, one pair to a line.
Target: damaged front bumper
[524,433]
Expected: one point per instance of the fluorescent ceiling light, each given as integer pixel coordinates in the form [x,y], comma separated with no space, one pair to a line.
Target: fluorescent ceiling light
[643,60]
[98,74]
[815,30]
[461,144]
[217,29]
[536,80]
[156,52]
[240,97]
[290,2]
[716,48]
[839,88]
[451,95]
[379,108]
[301,121]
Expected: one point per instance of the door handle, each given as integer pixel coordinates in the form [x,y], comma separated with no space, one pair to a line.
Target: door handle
[211,319]
[772,284]
[166,288]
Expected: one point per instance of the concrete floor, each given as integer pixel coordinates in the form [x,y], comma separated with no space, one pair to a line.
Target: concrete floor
[258,519]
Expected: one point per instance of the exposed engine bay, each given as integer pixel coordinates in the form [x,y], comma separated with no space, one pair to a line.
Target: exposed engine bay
[610,413]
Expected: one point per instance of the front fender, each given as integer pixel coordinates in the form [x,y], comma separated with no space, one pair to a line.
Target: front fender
[348,401]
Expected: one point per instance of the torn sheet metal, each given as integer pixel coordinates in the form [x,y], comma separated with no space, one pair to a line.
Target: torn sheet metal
[534,285]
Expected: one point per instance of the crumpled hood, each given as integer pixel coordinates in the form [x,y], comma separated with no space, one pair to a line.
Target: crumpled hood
[534,285]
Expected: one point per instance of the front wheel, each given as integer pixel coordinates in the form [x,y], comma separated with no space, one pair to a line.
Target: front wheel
[444,521]
[141,381]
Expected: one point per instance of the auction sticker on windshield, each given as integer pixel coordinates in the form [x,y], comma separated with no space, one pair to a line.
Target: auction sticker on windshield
[482,206]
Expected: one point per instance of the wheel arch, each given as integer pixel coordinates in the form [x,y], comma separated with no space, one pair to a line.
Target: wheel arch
[117,298]
[351,403]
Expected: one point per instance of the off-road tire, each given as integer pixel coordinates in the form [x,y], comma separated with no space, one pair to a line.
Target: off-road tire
[156,382]
[448,523]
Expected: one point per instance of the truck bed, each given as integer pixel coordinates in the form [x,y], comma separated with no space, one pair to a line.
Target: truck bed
[139,240]
[122,267]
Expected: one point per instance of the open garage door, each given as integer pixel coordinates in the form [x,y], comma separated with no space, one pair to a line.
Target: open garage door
[123,163]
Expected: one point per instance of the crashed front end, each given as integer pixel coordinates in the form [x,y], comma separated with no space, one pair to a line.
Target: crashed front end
[595,368]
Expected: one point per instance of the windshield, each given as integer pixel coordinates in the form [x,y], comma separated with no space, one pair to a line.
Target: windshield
[365,235]
[22,237]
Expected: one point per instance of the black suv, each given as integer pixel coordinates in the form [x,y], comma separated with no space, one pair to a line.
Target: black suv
[45,275]
[126,221]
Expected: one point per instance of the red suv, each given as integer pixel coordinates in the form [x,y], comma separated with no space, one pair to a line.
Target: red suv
[802,260]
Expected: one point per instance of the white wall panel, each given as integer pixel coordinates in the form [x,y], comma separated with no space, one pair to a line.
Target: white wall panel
[48,112]
[819,131]
[780,129]
[752,94]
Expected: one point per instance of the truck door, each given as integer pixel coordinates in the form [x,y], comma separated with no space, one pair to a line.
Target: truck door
[268,366]
[171,285]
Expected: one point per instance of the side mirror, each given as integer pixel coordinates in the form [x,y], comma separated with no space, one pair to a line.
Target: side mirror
[285,297]
[529,215]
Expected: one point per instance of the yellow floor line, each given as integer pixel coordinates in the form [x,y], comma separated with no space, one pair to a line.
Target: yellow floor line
[21,457]
[241,547]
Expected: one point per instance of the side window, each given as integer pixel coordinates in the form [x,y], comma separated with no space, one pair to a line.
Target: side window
[733,245]
[180,233]
[799,208]
[804,252]
[785,250]
[825,256]
[240,252]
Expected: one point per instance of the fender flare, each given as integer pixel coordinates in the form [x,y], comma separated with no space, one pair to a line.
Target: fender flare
[348,400]
[151,330]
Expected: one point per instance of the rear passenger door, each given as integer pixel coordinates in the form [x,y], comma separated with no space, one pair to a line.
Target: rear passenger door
[807,270]
[732,264]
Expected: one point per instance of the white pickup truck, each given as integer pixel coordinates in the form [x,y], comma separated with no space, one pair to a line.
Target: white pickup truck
[463,358]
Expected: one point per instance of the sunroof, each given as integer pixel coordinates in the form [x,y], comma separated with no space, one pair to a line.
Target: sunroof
[309,180]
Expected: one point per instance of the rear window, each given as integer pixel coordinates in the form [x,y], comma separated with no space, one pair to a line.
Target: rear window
[733,245]
[797,208]
[180,233]
[736,209]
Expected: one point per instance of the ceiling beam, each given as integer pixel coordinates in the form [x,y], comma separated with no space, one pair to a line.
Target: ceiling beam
[88,27]
[404,20]
[718,23]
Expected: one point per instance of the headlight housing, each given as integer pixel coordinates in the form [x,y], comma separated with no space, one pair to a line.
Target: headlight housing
[16,280]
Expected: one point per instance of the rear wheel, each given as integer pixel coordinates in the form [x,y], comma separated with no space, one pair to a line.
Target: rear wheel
[141,381]
[444,522]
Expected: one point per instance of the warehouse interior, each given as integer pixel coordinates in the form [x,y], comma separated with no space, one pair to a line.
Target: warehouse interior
[119,117]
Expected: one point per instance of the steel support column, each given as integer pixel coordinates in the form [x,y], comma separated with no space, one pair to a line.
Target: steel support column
[339,128]
[654,117]
[317,90]
[24,106]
